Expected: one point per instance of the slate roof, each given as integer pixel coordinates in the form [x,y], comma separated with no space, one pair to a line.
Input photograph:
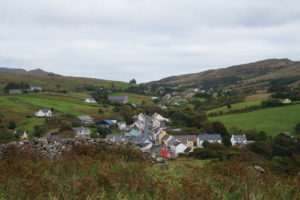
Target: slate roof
[44,110]
[165,137]
[172,141]
[203,137]
[85,118]
[187,150]
[119,99]
[239,137]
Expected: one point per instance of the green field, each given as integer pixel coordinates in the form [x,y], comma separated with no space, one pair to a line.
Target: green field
[134,98]
[236,106]
[62,103]
[271,120]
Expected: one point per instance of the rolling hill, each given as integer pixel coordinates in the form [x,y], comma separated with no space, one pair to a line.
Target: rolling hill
[23,71]
[257,74]
[50,81]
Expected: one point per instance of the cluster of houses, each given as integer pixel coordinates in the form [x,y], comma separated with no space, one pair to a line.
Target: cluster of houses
[159,141]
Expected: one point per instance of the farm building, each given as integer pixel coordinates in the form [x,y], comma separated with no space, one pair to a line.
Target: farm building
[15,91]
[43,113]
[238,139]
[106,123]
[211,138]
[82,131]
[119,99]
[86,119]
[90,100]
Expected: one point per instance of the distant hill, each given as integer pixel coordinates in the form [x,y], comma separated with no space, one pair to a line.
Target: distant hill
[257,74]
[23,71]
[55,82]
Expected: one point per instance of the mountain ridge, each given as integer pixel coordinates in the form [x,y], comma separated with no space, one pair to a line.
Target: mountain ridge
[23,71]
[244,74]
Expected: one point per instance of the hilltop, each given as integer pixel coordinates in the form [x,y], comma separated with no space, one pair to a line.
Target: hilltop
[257,74]
[23,71]
[52,81]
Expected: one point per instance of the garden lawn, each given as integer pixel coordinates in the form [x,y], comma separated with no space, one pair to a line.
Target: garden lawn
[272,120]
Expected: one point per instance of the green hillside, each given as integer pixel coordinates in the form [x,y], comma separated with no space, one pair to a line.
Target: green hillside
[256,74]
[236,106]
[57,82]
[271,120]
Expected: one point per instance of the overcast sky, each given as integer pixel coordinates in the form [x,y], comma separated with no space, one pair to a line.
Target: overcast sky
[145,39]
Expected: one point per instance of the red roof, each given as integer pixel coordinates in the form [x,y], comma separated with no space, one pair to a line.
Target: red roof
[164,152]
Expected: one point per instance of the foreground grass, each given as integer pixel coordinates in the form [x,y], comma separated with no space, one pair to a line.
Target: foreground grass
[118,173]
[272,120]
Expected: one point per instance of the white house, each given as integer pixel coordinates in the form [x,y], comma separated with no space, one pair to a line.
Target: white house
[35,89]
[158,117]
[178,147]
[90,100]
[286,101]
[43,113]
[211,138]
[82,131]
[122,125]
[238,139]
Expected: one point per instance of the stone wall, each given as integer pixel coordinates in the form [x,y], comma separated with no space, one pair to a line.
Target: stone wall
[50,148]
[53,149]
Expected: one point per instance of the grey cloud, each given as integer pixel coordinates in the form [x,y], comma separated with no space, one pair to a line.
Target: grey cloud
[146,40]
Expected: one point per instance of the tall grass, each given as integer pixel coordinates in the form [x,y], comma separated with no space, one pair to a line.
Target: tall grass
[115,172]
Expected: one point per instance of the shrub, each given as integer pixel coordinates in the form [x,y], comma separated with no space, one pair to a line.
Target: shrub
[11,125]
[261,148]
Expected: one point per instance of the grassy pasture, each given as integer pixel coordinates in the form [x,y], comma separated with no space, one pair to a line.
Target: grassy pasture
[236,106]
[271,120]
[134,98]
[64,104]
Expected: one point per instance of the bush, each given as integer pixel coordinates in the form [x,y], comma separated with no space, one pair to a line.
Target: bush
[271,103]
[226,141]
[38,132]
[202,153]
[11,125]
[261,148]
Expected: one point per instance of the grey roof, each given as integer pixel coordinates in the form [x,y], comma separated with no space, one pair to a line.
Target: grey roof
[44,110]
[203,137]
[239,137]
[177,143]
[172,141]
[85,118]
[189,137]
[119,99]
[187,150]
[155,149]
[165,137]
